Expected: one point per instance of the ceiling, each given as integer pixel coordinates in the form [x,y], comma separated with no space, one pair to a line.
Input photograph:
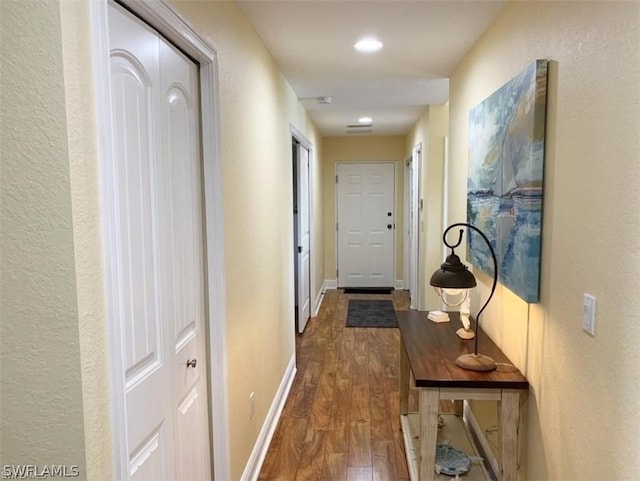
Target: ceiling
[312,43]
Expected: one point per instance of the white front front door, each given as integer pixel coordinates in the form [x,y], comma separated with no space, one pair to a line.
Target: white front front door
[366,224]
[303,237]
[155,253]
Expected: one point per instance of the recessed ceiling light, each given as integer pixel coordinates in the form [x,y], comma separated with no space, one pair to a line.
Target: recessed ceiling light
[368,44]
[365,120]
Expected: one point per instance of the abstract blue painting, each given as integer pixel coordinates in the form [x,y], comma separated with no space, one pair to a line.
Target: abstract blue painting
[504,191]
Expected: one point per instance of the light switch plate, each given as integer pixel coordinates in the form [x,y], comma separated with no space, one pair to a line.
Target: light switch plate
[589,314]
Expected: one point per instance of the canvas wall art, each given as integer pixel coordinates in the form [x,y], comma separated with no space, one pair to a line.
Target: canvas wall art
[505,184]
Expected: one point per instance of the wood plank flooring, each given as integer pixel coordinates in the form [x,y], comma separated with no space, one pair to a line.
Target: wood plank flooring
[341,419]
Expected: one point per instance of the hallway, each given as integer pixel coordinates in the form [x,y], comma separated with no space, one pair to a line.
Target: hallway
[341,419]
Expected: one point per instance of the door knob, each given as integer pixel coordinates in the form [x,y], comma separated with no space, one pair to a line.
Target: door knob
[389,226]
[389,214]
[191,362]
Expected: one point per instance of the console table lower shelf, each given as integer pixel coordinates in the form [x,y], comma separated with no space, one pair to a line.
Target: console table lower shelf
[455,431]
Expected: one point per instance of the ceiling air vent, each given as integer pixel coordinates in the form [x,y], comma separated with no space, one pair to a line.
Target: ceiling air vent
[359,126]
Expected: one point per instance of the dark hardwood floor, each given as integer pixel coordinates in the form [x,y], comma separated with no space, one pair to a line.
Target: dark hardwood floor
[341,419]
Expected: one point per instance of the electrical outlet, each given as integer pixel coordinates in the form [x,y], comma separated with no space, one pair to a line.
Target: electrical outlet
[252,406]
[589,314]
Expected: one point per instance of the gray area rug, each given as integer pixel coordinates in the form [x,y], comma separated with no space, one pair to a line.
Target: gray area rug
[366,313]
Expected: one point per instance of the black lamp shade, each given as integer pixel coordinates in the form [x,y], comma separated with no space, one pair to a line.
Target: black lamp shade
[453,274]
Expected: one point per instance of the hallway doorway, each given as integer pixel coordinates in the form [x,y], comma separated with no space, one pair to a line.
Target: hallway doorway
[301,234]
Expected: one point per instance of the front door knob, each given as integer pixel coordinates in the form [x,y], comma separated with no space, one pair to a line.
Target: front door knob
[192,362]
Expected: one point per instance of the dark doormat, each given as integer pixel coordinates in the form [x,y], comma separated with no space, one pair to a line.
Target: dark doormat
[365,313]
[367,290]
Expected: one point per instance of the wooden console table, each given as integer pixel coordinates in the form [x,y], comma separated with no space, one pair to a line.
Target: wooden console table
[429,351]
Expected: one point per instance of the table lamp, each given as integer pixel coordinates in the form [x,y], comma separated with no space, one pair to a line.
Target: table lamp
[453,274]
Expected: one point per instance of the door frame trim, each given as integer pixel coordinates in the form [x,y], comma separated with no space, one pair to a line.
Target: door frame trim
[445,194]
[395,210]
[406,203]
[177,29]
[414,261]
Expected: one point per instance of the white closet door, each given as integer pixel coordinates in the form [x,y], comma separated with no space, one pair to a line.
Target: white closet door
[155,252]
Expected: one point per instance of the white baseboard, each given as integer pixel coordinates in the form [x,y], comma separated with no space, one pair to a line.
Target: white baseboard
[330,284]
[317,304]
[254,464]
[474,426]
[319,298]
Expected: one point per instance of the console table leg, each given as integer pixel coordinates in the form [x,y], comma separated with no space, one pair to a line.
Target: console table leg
[404,381]
[509,418]
[429,405]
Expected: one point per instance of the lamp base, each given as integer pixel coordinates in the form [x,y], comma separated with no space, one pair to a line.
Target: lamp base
[465,333]
[476,362]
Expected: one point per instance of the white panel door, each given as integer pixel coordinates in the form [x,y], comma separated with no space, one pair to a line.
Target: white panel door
[155,252]
[184,260]
[366,224]
[304,238]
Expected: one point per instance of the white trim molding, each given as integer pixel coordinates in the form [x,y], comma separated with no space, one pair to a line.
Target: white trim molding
[399,284]
[160,15]
[260,448]
[320,295]
[330,284]
[102,75]
[318,302]
[419,219]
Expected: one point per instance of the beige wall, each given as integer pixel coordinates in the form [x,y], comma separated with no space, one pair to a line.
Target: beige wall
[42,420]
[584,402]
[429,132]
[359,149]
